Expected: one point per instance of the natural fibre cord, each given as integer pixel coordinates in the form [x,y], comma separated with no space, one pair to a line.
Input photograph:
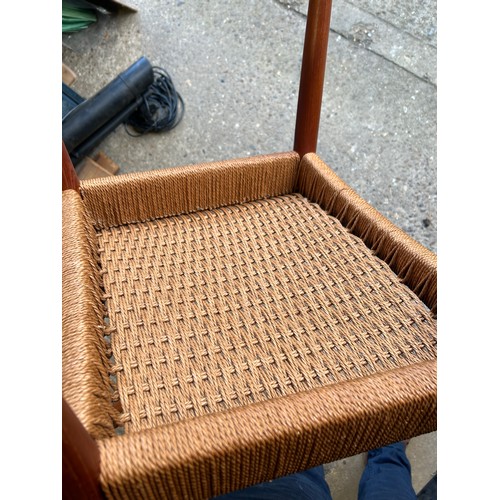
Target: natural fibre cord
[221,308]
[86,385]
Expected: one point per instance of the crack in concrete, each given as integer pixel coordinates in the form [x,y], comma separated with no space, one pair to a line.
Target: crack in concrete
[388,23]
[291,8]
[422,79]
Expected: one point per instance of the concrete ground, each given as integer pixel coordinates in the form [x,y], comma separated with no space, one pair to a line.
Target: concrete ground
[237,66]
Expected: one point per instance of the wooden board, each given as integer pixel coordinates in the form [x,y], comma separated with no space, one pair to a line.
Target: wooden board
[68,75]
[99,166]
[113,5]
[106,162]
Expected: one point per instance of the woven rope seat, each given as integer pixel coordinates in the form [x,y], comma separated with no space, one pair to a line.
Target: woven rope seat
[233,322]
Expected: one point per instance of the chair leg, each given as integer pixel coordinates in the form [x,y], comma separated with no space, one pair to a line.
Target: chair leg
[69,177]
[80,459]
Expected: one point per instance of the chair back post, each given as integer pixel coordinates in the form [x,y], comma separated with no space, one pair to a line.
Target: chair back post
[80,459]
[312,76]
[69,178]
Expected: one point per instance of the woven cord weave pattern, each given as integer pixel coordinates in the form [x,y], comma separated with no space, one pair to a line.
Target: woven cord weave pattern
[412,262]
[221,308]
[223,452]
[113,201]
[86,383]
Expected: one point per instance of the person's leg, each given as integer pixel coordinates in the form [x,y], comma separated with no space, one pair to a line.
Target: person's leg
[387,475]
[307,485]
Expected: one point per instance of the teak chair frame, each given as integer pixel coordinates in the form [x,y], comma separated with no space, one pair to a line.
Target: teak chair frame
[370,418]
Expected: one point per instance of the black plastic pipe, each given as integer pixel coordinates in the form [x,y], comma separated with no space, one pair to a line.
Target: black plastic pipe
[91,115]
[89,144]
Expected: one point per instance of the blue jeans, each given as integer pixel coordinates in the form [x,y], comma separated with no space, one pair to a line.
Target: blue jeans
[307,485]
[387,476]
